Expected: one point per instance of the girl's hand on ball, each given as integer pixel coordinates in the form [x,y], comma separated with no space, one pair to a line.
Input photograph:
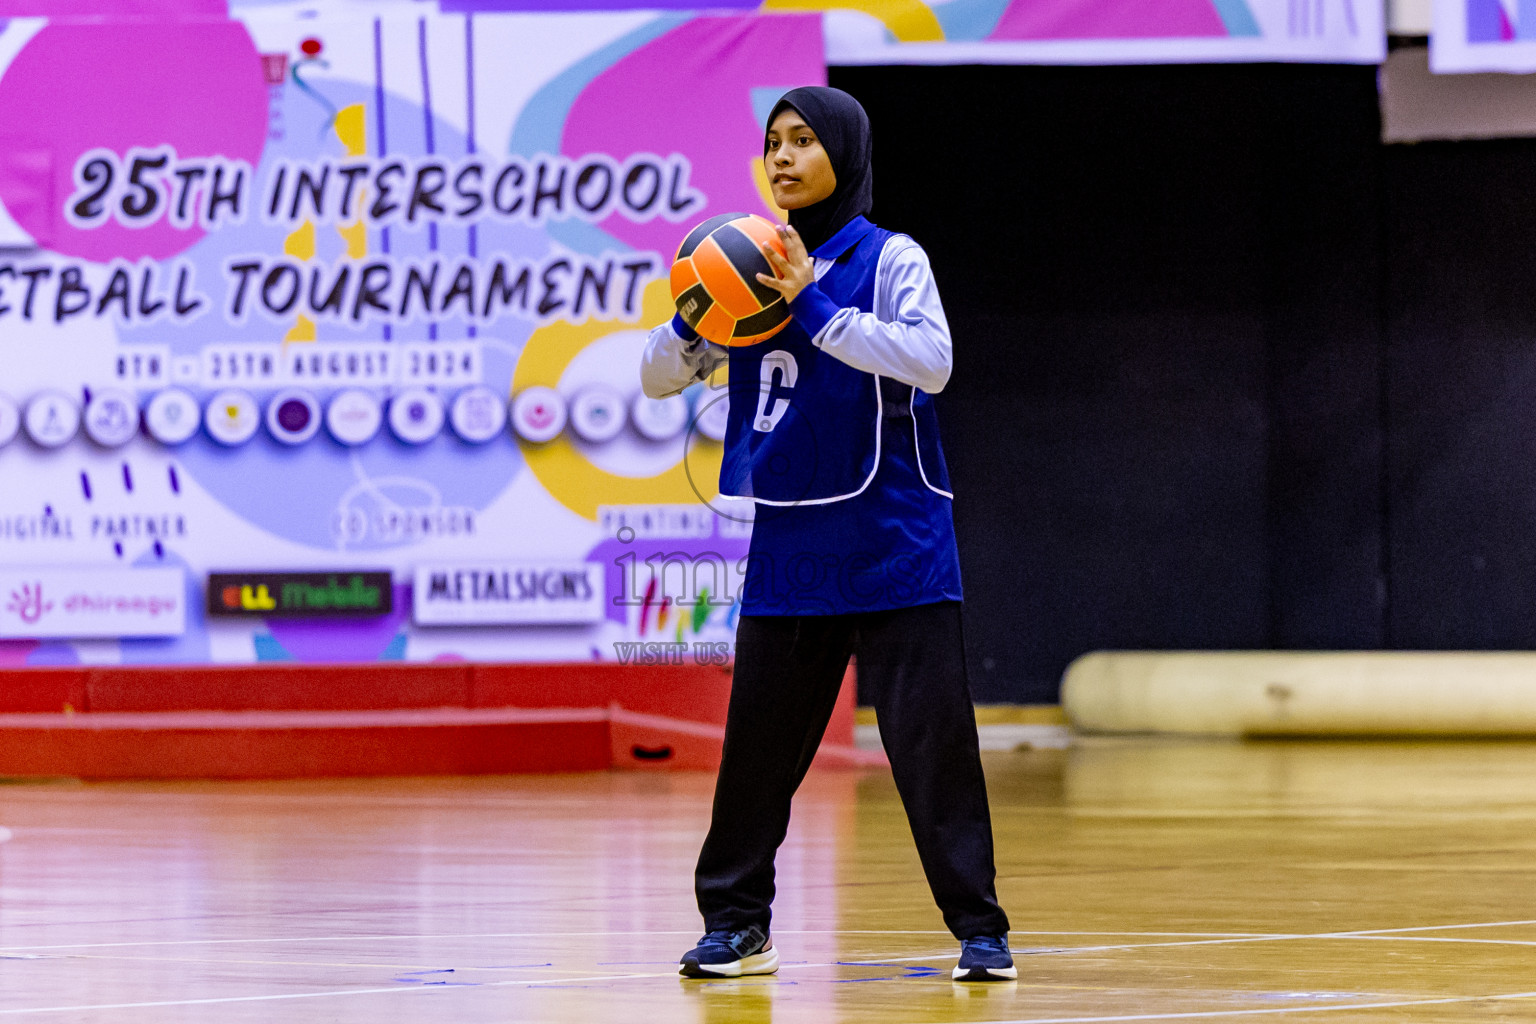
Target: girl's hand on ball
[795,272]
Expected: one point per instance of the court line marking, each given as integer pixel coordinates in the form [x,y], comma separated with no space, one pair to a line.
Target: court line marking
[404,937]
[1011,931]
[395,988]
[577,935]
[387,966]
[1105,1019]
[1438,938]
[1362,933]
[418,967]
[212,1000]
[1272,1010]
[1205,939]
[873,962]
[1156,945]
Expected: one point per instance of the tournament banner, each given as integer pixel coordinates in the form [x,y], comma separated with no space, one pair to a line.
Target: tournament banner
[1108,32]
[1063,31]
[1483,35]
[319,337]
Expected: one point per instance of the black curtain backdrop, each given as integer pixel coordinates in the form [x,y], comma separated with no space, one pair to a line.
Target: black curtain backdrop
[1460,315]
[1193,406]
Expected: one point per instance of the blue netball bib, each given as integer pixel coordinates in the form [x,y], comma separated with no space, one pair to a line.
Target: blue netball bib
[804,427]
[853,496]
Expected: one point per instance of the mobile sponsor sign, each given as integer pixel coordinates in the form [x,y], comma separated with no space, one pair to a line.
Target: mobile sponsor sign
[299,595]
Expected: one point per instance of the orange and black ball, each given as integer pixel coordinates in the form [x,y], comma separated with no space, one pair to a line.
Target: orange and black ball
[715,285]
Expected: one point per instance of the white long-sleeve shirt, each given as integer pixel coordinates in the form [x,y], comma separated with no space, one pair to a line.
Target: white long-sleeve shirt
[906,338]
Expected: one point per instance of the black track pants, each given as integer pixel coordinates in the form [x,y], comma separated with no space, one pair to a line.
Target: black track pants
[788,673]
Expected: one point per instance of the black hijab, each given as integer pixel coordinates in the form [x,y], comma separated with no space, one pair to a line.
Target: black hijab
[843,128]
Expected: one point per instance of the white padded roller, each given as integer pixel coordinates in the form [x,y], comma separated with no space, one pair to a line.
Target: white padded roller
[1276,693]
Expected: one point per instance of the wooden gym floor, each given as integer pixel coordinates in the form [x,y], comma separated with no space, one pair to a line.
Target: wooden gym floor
[1147,881]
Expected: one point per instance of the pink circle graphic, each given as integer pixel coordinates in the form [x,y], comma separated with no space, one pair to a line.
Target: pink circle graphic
[651,101]
[194,86]
[1110,19]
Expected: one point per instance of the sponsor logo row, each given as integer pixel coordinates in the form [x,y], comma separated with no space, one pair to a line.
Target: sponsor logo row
[112,417]
[74,603]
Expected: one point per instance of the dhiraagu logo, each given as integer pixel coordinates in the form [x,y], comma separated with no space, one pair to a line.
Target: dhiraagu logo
[28,604]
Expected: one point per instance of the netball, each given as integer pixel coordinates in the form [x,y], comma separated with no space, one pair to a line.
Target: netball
[714,280]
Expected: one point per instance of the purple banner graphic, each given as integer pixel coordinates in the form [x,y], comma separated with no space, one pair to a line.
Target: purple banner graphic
[1483,35]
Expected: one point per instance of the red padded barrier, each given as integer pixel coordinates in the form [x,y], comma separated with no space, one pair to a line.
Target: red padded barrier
[42,689]
[275,687]
[675,718]
[561,685]
[375,719]
[695,693]
[265,753]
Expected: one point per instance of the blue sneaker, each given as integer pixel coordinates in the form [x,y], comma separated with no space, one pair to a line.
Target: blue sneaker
[725,954]
[985,958]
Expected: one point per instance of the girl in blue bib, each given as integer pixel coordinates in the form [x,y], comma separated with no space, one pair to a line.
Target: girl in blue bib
[832,434]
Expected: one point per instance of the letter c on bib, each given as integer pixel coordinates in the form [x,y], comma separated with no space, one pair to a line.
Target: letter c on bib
[773,398]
